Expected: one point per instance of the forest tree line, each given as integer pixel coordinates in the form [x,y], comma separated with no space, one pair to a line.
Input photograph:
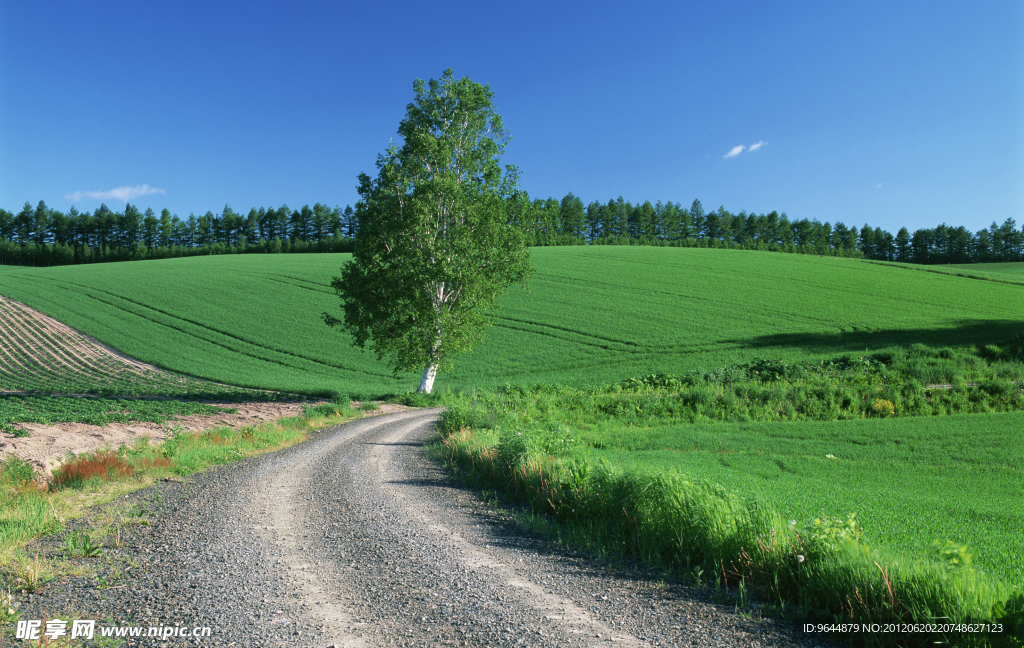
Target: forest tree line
[41,236]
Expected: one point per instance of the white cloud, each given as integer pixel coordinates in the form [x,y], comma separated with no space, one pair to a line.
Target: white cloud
[736,150]
[120,193]
[878,186]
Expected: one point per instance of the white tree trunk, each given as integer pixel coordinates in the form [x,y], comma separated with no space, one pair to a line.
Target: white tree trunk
[427,383]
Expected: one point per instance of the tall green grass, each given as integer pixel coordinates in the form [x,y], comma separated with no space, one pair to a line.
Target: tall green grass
[592,314]
[820,569]
[24,508]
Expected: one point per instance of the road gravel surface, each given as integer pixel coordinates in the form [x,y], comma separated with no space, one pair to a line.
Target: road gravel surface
[356,538]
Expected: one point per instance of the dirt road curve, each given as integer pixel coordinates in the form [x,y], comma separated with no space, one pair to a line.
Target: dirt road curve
[354,538]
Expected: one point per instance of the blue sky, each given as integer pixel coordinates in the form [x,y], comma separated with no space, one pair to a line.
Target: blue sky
[894,114]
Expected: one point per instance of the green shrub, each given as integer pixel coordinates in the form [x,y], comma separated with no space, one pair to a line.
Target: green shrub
[326,409]
[455,418]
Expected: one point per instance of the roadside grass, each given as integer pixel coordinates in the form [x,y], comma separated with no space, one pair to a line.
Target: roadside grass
[819,570]
[751,483]
[30,509]
[860,434]
[254,320]
[953,472]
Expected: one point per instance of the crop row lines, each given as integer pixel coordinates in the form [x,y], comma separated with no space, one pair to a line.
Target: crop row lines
[38,353]
[39,364]
[31,367]
[47,352]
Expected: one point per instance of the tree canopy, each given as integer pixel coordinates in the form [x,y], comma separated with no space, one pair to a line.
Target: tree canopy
[433,244]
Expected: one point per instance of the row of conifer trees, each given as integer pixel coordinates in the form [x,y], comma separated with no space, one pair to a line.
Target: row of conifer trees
[41,236]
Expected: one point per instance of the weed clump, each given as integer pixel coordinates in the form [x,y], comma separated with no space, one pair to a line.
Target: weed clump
[101,466]
[327,409]
[15,471]
[883,407]
[81,545]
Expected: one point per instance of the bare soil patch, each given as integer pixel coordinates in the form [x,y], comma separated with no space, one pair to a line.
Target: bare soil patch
[47,445]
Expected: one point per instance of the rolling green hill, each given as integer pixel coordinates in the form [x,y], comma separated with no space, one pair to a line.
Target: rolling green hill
[591,315]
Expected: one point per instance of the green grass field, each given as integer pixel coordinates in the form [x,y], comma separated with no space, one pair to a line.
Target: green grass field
[592,314]
[598,315]
[910,481]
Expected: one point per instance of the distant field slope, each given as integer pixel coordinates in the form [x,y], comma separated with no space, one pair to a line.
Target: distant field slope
[1005,270]
[592,314]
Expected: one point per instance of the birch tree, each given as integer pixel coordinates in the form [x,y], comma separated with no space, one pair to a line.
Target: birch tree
[433,246]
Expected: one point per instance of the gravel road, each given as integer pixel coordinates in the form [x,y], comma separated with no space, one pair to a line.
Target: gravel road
[355,538]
